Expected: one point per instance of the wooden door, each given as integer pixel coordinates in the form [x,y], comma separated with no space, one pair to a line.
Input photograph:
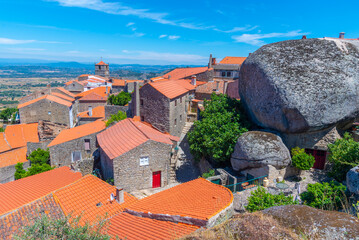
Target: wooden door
[156,179]
[319,156]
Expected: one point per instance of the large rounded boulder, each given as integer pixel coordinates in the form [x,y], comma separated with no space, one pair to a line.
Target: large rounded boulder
[353,180]
[302,85]
[257,149]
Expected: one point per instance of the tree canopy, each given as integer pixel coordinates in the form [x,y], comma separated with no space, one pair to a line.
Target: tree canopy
[121,99]
[8,113]
[215,135]
[116,118]
[302,160]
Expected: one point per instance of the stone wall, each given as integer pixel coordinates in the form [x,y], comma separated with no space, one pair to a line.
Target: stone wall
[84,105]
[130,86]
[35,95]
[61,154]
[178,114]
[85,166]
[117,89]
[75,88]
[113,109]
[31,146]
[155,109]
[7,173]
[128,173]
[45,110]
[48,130]
[106,165]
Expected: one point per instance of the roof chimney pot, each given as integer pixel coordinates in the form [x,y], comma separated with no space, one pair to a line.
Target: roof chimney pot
[90,111]
[194,80]
[120,198]
[341,35]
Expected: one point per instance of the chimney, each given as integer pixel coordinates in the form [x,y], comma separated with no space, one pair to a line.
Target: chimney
[341,35]
[225,86]
[217,86]
[120,195]
[194,80]
[169,76]
[214,61]
[137,99]
[249,54]
[90,111]
[304,37]
[210,61]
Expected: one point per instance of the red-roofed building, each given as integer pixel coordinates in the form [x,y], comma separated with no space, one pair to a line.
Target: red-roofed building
[136,155]
[93,114]
[102,69]
[76,145]
[227,69]
[75,87]
[93,98]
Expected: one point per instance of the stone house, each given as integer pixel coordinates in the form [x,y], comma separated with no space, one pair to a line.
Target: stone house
[46,91]
[93,114]
[55,107]
[163,104]
[75,87]
[102,69]
[136,155]
[92,98]
[227,69]
[75,145]
[119,85]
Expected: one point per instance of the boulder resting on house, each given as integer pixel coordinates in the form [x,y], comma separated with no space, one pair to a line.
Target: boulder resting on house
[353,180]
[302,85]
[257,149]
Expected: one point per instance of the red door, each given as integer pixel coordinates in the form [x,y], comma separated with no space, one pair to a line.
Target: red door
[156,179]
[319,157]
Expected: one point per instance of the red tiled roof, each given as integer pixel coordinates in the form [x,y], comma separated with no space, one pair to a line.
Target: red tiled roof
[4,145]
[101,91]
[187,84]
[83,83]
[63,96]
[233,60]
[97,112]
[127,226]
[90,198]
[17,193]
[128,134]
[101,63]
[13,157]
[210,87]
[93,97]
[48,97]
[78,132]
[19,134]
[199,199]
[66,92]
[169,88]
[118,82]
[180,73]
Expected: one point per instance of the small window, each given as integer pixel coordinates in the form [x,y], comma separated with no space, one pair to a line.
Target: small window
[142,118]
[76,156]
[181,118]
[73,84]
[229,74]
[87,144]
[176,102]
[181,99]
[175,121]
[141,102]
[49,112]
[223,74]
[144,161]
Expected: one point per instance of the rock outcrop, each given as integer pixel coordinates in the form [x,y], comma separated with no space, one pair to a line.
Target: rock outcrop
[353,180]
[256,149]
[303,85]
[315,223]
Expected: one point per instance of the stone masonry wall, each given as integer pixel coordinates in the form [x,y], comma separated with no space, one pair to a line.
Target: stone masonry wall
[61,154]
[128,173]
[7,173]
[74,88]
[113,109]
[84,105]
[40,111]
[178,114]
[31,146]
[106,165]
[155,109]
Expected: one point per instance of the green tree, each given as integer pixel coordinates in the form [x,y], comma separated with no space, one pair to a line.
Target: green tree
[116,118]
[344,155]
[260,199]
[121,99]
[327,196]
[64,228]
[39,156]
[8,113]
[215,135]
[20,172]
[302,160]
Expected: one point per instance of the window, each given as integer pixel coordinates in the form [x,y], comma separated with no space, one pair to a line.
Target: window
[144,161]
[141,102]
[223,74]
[181,99]
[229,74]
[181,118]
[142,118]
[87,144]
[176,102]
[49,112]
[175,121]
[76,156]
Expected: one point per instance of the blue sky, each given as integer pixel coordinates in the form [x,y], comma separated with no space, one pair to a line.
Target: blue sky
[163,32]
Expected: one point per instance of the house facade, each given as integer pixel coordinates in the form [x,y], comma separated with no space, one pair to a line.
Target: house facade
[135,155]
[227,69]
[75,87]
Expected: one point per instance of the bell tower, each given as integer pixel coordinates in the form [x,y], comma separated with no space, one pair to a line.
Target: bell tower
[102,69]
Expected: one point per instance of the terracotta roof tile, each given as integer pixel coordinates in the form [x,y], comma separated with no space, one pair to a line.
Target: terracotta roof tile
[11,224]
[4,145]
[78,132]
[169,88]
[187,84]
[66,92]
[13,157]
[97,112]
[17,193]
[63,96]
[19,135]
[93,97]
[126,135]
[101,63]
[101,91]
[90,198]
[233,60]
[118,82]
[48,97]
[127,226]
[180,73]
[210,87]
[199,199]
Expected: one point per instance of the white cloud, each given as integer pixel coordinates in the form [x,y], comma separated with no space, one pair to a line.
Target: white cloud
[26,49]
[247,28]
[256,39]
[14,41]
[173,37]
[130,24]
[163,36]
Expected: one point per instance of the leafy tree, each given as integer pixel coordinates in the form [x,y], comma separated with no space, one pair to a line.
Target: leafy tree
[64,228]
[344,154]
[20,172]
[260,199]
[7,114]
[116,118]
[326,196]
[39,156]
[215,135]
[121,99]
[302,160]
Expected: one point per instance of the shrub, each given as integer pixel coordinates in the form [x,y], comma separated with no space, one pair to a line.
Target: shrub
[344,154]
[326,196]
[116,118]
[302,160]
[39,156]
[211,173]
[260,199]
[121,99]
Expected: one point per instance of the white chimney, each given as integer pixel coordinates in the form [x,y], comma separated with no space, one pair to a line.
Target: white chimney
[217,86]
[194,80]
[341,35]
[90,111]
[120,198]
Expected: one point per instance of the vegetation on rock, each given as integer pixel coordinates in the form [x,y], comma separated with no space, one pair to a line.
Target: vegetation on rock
[326,196]
[121,99]
[211,173]
[302,160]
[260,199]
[116,118]
[344,155]
[215,135]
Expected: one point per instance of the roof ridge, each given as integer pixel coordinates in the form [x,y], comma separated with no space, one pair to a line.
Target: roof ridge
[70,183]
[131,121]
[7,142]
